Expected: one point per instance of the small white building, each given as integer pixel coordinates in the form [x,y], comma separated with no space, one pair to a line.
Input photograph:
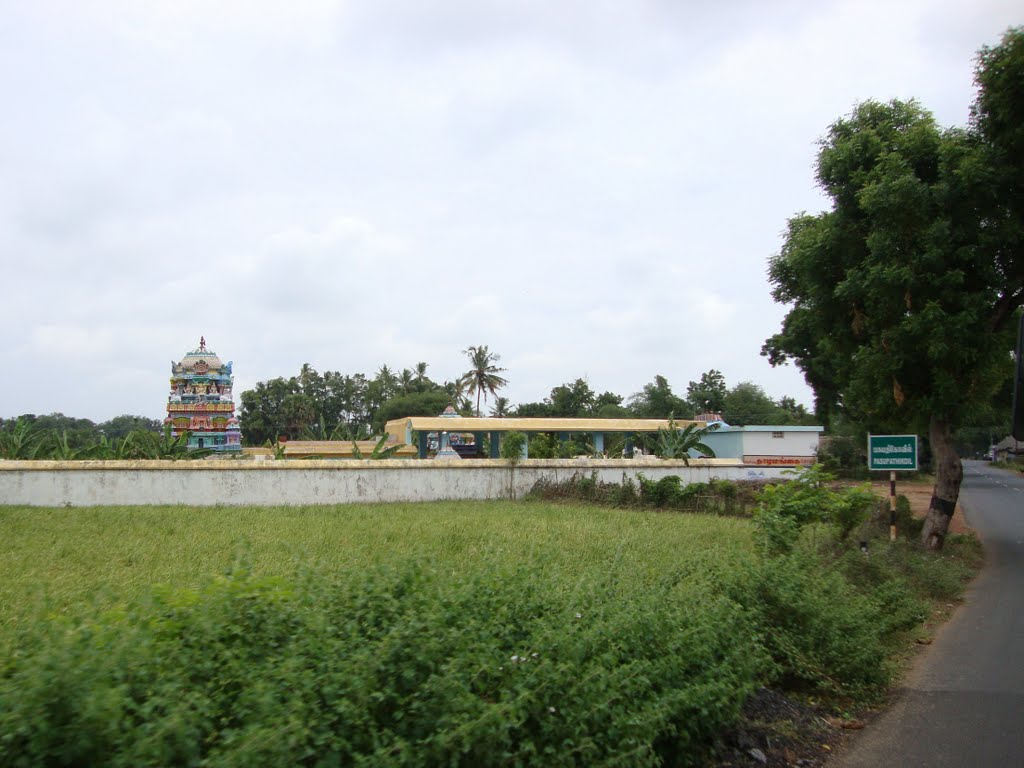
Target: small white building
[766,446]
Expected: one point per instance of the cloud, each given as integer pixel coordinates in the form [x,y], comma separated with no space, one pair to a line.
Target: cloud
[589,189]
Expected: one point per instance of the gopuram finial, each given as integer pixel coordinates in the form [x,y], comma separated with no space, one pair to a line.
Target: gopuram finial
[202,343]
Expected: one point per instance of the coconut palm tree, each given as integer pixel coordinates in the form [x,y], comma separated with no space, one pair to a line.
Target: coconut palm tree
[387,381]
[482,378]
[500,408]
[456,391]
[405,381]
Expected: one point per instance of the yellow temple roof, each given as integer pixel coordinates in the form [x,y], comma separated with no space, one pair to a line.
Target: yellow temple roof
[472,424]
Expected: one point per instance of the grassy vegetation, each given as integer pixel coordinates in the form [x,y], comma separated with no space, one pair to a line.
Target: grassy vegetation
[1015,464]
[62,560]
[453,633]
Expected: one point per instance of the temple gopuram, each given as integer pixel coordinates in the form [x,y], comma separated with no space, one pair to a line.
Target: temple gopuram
[200,401]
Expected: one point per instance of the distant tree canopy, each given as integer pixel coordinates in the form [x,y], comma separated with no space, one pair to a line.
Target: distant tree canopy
[747,403]
[708,394]
[902,294]
[418,404]
[121,426]
[658,401]
[79,433]
[336,406]
[575,400]
[349,407]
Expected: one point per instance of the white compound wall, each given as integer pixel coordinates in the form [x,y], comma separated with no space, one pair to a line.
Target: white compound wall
[271,483]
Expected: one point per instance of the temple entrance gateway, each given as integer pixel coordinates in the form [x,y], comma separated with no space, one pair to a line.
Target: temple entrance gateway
[200,401]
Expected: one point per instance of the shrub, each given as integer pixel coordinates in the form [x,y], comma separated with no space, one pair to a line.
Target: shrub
[668,493]
[775,532]
[822,634]
[587,486]
[512,446]
[785,508]
[569,449]
[400,666]
[844,457]
[542,446]
[624,494]
[852,508]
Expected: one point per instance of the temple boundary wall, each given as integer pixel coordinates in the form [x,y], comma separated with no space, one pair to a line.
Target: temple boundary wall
[292,483]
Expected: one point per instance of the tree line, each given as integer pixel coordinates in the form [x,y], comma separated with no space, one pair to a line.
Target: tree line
[338,406]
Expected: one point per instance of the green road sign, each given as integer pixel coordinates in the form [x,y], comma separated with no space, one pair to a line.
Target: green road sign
[892,452]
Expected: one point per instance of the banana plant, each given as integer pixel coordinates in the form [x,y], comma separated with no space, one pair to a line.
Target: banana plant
[62,450]
[23,441]
[675,443]
[379,451]
[167,446]
[278,449]
[118,450]
[319,431]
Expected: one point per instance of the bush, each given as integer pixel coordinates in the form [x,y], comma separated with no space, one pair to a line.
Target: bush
[660,493]
[844,457]
[821,633]
[624,494]
[542,446]
[722,496]
[852,508]
[570,449]
[775,532]
[512,446]
[403,667]
[454,638]
[785,508]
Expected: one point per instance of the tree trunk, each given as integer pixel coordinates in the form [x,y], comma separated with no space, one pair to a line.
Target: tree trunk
[949,473]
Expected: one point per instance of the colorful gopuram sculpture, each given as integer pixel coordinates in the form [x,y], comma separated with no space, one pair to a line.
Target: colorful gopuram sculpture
[200,401]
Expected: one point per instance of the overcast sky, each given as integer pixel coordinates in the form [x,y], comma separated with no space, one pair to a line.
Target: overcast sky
[593,189]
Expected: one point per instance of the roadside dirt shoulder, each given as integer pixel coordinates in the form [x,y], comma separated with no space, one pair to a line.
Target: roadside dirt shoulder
[919,494]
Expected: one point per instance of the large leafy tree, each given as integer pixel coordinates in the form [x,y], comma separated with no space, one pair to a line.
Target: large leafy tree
[120,427]
[262,415]
[747,403]
[483,376]
[608,405]
[997,118]
[708,394]
[903,291]
[75,432]
[575,400]
[658,401]
[417,404]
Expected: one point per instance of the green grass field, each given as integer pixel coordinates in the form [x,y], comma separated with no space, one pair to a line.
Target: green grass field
[473,634]
[73,559]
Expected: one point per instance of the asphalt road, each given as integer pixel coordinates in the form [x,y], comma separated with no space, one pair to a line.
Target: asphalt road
[963,704]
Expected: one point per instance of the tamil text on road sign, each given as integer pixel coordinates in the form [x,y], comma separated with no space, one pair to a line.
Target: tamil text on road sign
[892,452]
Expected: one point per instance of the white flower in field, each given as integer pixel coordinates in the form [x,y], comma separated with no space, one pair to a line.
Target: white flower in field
[535,655]
[515,658]
[579,615]
[552,710]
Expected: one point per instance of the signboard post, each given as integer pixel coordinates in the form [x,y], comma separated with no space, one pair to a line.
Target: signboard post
[895,453]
